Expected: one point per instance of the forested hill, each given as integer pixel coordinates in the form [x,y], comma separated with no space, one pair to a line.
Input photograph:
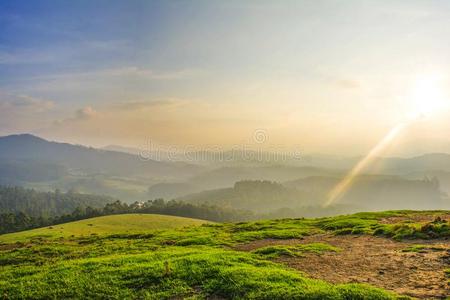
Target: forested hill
[22,209]
[48,204]
[366,193]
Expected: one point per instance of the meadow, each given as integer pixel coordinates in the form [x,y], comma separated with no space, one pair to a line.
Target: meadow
[105,225]
[161,257]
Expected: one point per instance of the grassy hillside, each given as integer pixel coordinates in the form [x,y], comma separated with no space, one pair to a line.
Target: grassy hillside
[106,225]
[129,260]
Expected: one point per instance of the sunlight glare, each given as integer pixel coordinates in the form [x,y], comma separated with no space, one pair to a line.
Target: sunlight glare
[426,97]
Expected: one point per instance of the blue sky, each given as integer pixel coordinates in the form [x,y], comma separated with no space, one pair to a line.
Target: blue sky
[331,76]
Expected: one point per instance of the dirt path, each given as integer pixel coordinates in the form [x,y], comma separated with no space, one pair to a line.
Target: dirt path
[373,260]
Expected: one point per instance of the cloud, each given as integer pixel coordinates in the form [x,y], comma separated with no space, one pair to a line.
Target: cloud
[141,105]
[23,103]
[121,72]
[83,114]
[19,113]
[103,80]
[145,73]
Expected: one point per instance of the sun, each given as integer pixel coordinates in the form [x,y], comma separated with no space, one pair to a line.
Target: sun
[427,96]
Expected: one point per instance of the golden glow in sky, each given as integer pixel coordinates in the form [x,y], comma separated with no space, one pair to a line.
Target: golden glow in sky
[325,76]
[426,99]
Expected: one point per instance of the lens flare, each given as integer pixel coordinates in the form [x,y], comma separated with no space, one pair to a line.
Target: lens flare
[342,187]
[425,99]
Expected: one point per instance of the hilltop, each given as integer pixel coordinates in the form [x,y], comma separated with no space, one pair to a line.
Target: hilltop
[103,226]
[387,255]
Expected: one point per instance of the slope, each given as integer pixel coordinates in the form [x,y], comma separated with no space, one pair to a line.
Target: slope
[106,225]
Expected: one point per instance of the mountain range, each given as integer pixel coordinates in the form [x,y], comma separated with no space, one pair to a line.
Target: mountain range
[31,161]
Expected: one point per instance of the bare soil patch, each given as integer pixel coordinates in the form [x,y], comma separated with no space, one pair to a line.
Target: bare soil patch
[10,246]
[373,260]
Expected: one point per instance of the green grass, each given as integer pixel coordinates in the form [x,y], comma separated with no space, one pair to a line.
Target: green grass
[276,251]
[369,223]
[106,225]
[416,248]
[131,224]
[413,231]
[423,248]
[162,257]
[171,272]
[317,248]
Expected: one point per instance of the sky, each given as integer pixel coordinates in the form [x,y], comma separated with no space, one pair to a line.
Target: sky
[328,77]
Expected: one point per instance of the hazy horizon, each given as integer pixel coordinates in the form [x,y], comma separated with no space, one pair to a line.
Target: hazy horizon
[325,77]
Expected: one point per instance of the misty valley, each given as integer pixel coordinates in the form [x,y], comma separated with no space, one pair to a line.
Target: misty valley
[263,189]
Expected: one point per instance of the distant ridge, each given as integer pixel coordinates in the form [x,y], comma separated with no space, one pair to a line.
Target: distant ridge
[123,149]
[87,159]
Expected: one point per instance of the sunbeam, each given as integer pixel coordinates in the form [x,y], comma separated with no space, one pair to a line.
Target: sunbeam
[342,187]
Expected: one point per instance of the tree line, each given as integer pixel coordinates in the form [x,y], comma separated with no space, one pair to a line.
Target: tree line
[18,221]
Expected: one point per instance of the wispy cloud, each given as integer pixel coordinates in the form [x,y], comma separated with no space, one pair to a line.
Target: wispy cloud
[11,103]
[101,79]
[19,113]
[121,72]
[141,105]
[83,114]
